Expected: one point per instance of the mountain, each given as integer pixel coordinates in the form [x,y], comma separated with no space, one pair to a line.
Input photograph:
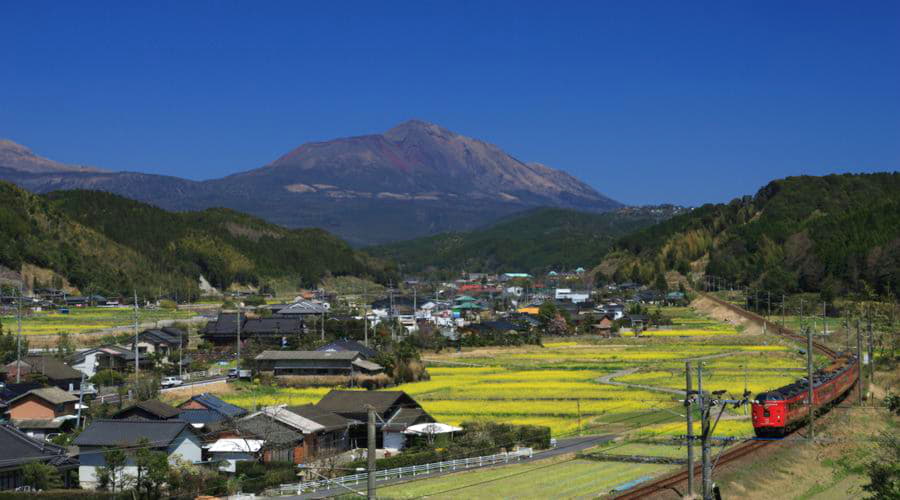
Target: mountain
[415,179]
[538,240]
[105,243]
[818,234]
[21,159]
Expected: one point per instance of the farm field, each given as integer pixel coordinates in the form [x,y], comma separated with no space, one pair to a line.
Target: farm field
[559,478]
[556,385]
[88,319]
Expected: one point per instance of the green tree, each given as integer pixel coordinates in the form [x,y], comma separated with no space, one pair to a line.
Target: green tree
[661,285]
[110,474]
[152,470]
[41,476]
[64,345]
[547,313]
[884,471]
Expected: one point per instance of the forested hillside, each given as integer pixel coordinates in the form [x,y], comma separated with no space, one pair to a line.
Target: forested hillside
[534,241]
[824,234]
[110,244]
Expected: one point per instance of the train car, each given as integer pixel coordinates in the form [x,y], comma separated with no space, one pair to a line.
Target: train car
[777,412]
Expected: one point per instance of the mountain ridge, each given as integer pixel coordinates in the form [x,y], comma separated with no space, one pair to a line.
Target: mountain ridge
[415,179]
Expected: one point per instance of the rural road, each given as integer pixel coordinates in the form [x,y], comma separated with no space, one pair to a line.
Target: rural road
[114,398]
[564,446]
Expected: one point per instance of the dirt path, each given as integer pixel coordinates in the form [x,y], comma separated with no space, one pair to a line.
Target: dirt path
[713,310]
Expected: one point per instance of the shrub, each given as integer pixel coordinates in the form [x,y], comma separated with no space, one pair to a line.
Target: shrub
[168,304]
[108,378]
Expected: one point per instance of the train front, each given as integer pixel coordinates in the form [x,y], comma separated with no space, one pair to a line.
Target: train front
[769,414]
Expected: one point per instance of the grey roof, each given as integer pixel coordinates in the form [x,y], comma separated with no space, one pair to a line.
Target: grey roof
[52,367]
[170,336]
[330,421]
[16,448]
[53,395]
[303,307]
[353,403]
[406,417]
[350,345]
[152,406]
[129,432]
[38,423]
[272,326]
[367,365]
[261,426]
[306,355]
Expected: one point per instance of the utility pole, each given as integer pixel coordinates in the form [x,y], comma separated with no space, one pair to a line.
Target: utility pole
[871,349]
[859,382]
[19,335]
[824,319]
[370,455]
[78,422]
[137,365]
[238,322]
[782,312]
[704,436]
[802,323]
[688,404]
[811,407]
[578,406]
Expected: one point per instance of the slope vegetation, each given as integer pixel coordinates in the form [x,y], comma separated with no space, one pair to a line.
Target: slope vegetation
[537,240]
[823,234]
[103,242]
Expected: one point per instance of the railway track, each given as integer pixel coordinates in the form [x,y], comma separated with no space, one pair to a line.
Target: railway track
[741,450]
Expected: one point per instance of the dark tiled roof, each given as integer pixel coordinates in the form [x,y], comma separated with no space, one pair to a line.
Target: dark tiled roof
[205,417]
[53,368]
[225,324]
[129,432]
[406,417]
[272,326]
[263,427]
[10,391]
[16,448]
[154,407]
[307,355]
[170,336]
[350,345]
[303,307]
[37,423]
[325,418]
[355,402]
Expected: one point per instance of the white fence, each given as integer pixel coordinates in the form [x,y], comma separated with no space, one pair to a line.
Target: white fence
[348,482]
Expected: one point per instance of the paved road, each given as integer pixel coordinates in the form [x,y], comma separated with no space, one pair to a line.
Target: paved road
[564,446]
[114,398]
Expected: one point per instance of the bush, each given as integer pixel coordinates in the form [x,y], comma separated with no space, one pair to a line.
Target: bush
[168,304]
[256,477]
[108,378]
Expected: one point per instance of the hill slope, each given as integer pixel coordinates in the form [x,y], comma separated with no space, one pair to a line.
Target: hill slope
[107,243]
[806,233]
[415,179]
[538,240]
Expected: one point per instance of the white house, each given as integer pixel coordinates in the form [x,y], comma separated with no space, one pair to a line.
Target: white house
[575,297]
[175,438]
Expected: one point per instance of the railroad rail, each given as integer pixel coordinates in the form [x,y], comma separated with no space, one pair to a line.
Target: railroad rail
[673,479]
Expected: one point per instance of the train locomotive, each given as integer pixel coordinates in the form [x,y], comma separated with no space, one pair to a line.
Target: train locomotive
[777,412]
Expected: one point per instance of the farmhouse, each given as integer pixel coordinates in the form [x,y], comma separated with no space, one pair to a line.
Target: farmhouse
[395,411]
[224,329]
[173,437]
[39,368]
[17,450]
[110,357]
[206,409]
[152,409]
[343,363]
[349,345]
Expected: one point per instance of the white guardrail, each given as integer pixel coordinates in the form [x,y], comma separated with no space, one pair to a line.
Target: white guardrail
[400,472]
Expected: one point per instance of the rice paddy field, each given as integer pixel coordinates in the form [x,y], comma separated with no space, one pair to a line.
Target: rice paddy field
[87,319]
[558,384]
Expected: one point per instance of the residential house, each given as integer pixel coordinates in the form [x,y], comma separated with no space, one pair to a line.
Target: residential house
[109,357]
[10,391]
[364,351]
[227,452]
[160,342]
[43,411]
[44,368]
[18,450]
[280,442]
[302,308]
[575,296]
[604,326]
[343,363]
[395,411]
[173,437]
[224,330]
[206,409]
[152,409]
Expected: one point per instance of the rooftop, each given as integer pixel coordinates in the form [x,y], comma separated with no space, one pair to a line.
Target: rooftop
[128,432]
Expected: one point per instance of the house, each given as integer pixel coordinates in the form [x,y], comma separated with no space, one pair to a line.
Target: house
[349,345]
[302,308]
[280,441]
[109,357]
[152,409]
[639,322]
[332,434]
[512,276]
[316,363]
[160,341]
[41,368]
[229,451]
[395,411]
[17,450]
[10,391]
[174,437]
[604,326]
[44,411]
[206,409]
[224,330]
[92,300]
[574,296]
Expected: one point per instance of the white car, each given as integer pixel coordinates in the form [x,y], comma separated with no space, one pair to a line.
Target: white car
[171,382]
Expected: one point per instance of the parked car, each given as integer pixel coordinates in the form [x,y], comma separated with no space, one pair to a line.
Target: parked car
[232,373]
[171,382]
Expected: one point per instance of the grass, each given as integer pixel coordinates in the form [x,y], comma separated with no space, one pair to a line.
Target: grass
[563,478]
[88,319]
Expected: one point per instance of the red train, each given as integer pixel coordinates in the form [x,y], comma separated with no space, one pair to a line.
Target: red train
[777,412]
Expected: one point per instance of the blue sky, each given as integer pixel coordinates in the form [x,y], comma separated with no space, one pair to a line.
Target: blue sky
[684,102]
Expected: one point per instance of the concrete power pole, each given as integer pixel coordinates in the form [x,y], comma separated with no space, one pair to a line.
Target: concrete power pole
[370,455]
[238,322]
[689,413]
[859,382]
[137,365]
[704,436]
[811,405]
[871,350]
[19,335]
